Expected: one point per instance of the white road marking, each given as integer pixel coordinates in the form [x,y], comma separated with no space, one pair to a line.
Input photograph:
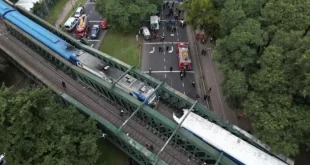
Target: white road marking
[163,34]
[177,39]
[170,51]
[100,17]
[165,75]
[183,84]
[92,45]
[165,71]
[153,50]
[95,21]
[177,33]
[165,67]
[160,43]
[90,11]
[93,40]
[164,59]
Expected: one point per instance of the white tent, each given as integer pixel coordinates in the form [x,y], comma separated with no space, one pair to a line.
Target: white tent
[27,4]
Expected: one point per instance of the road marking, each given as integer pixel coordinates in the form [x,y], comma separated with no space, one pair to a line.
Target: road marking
[183,84]
[93,40]
[90,11]
[94,7]
[163,33]
[170,51]
[92,45]
[95,21]
[165,71]
[177,39]
[164,59]
[153,50]
[165,75]
[184,93]
[100,17]
[165,67]
[177,33]
[160,43]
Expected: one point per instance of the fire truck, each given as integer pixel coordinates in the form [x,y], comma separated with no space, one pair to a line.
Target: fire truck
[183,56]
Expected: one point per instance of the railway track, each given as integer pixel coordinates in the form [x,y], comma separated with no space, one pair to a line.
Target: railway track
[53,77]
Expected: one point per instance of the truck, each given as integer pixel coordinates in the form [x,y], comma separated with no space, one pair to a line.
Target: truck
[184,60]
[154,22]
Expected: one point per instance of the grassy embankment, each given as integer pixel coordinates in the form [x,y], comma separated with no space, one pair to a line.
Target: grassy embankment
[125,48]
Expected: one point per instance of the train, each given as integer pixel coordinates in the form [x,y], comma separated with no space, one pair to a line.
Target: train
[78,57]
[236,149]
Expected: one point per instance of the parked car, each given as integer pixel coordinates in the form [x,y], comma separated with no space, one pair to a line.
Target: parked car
[82,23]
[71,24]
[82,34]
[145,32]
[2,161]
[95,31]
[79,11]
[104,24]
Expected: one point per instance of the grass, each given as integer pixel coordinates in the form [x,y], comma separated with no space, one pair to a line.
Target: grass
[125,48]
[58,8]
[110,154]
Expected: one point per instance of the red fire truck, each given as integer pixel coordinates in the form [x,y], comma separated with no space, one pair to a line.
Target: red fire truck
[183,56]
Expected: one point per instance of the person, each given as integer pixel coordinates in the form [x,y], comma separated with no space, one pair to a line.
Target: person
[202,52]
[121,113]
[184,72]
[167,48]
[151,147]
[63,84]
[193,84]
[171,68]
[162,38]
[181,76]
[209,90]
[205,97]
[150,70]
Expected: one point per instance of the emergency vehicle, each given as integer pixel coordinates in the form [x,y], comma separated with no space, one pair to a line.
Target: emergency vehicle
[183,57]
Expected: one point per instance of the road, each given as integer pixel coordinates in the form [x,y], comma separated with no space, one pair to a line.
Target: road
[160,62]
[94,17]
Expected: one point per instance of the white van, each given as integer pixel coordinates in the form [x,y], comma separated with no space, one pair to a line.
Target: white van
[154,22]
[71,23]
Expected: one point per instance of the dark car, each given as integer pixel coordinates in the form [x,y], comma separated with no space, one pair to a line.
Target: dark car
[95,31]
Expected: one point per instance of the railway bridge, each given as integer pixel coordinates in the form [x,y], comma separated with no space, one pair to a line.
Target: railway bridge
[102,101]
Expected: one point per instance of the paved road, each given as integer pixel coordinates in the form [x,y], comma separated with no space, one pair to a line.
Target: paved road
[94,17]
[160,62]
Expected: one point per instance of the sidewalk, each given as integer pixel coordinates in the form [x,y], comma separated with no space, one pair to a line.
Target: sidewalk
[208,76]
[62,16]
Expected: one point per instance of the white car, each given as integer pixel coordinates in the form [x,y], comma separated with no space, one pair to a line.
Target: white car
[79,11]
[71,24]
[2,161]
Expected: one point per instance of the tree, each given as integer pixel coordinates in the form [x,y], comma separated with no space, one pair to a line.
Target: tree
[265,57]
[202,14]
[127,15]
[35,130]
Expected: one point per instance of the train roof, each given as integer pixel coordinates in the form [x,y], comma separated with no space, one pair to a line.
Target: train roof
[227,142]
[4,8]
[38,32]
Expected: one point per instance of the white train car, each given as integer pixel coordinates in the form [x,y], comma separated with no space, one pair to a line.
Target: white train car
[239,150]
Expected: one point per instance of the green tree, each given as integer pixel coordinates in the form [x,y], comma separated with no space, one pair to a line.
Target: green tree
[127,15]
[202,14]
[36,130]
[265,57]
